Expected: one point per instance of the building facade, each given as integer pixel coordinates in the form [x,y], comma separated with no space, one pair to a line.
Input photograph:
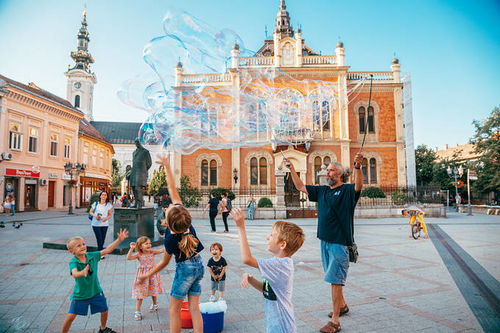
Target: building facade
[39,135]
[327,129]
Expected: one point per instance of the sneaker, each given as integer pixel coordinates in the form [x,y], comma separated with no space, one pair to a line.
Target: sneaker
[153,308]
[137,315]
[106,330]
[103,257]
[221,299]
[212,298]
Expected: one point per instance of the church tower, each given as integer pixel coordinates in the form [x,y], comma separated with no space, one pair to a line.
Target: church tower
[81,79]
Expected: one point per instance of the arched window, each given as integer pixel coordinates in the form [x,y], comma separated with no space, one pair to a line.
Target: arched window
[213,172]
[364,169]
[317,168]
[15,137]
[325,115]
[316,116]
[254,172]
[263,171]
[204,173]
[373,171]
[362,119]
[77,101]
[371,121]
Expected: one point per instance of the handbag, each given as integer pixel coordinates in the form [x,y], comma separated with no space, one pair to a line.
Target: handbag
[90,217]
[353,249]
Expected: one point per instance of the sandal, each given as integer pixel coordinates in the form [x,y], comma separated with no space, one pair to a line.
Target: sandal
[343,311]
[330,328]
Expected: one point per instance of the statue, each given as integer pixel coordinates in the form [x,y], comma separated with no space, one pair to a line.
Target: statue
[138,176]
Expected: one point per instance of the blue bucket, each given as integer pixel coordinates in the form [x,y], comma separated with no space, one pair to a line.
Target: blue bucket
[213,322]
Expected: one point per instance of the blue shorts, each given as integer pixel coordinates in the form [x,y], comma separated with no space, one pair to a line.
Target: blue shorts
[335,258]
[81,307]
[188,275]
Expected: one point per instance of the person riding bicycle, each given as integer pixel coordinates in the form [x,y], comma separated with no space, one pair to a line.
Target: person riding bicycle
[414,212]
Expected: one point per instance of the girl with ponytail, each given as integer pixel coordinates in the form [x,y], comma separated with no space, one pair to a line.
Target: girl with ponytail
[182,243]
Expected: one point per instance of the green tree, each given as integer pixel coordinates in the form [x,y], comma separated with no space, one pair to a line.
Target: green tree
[158,181]
[116,176]
[425,159]
[190,196]
[486,141]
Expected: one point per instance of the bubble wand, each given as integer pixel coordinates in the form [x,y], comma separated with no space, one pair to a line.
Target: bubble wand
[368,112]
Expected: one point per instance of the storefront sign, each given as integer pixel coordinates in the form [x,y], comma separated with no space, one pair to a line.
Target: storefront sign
[52,175]
[31,181]
[21,173]
[65,176]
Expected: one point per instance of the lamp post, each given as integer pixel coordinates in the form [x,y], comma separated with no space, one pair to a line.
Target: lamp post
[454,173]
[73,169]
[235,175]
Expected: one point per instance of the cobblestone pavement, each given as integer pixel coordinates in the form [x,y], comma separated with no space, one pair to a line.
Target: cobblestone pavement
[398,285]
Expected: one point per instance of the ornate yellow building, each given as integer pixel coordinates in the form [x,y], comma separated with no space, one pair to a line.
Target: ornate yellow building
[327,129]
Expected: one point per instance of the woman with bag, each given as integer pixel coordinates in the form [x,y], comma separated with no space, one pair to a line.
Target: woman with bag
[251,208]
[101,211]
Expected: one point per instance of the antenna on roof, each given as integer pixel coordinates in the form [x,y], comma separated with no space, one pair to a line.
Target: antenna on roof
[265,31]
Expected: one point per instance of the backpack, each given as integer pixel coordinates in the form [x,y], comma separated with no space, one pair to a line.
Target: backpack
[229,206]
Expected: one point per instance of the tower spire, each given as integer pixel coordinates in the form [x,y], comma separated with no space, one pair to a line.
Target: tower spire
[283,27]
[82,56]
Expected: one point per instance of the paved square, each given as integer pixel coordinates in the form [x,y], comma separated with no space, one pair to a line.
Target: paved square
[399,284]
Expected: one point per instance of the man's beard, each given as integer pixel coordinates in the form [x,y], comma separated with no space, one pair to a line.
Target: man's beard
[332,181]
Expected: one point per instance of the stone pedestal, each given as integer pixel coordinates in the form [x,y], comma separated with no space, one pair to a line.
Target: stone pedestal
[138,221]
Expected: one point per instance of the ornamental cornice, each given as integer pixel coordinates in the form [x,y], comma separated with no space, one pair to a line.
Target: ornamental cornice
[42,106]
[208,157]
[258,155]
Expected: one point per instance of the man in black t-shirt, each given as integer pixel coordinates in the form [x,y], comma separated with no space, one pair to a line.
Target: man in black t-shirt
[336,203]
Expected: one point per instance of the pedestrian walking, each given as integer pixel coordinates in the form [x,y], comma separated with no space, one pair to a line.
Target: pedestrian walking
[212,206]
[251,208]
[225,207]
[102,212]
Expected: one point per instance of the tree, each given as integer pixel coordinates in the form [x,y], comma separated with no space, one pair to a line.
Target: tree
[425,159]
[486,141]
[190,196]
[158,181]
[116,176]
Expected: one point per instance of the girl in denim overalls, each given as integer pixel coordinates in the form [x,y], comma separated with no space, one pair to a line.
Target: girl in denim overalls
[182,243]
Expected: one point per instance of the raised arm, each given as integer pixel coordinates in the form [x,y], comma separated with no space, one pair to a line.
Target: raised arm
[77,274]
[246,254]
[130,254]
[172,190]
[358,176]
[121,236]
[295,177]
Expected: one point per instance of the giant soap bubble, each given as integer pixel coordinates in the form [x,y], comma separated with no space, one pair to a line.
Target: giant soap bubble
[208,110]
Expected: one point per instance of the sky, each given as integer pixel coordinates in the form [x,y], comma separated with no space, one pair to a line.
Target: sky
[450,47]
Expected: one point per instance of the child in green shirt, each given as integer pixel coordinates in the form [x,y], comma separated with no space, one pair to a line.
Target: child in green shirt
[88,292]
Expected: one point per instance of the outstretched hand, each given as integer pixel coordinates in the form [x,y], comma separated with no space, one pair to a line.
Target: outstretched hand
[162,159]
[244,283]
[287,163]
[238,217]
[133,245]
[358,160]
[122,234]
[85,271]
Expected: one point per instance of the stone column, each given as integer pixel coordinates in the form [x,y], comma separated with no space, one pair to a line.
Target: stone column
[280,208]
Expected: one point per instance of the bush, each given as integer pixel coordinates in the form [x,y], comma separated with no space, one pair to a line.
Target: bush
[398,198]
[190,196]
[373,192]
[265,203]
[219,190]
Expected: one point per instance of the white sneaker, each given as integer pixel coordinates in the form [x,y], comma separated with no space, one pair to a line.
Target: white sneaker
[221,299]
[212,298]
[153,308]
[137,315]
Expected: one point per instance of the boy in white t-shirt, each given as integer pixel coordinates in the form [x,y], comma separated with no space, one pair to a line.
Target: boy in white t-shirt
[277,273]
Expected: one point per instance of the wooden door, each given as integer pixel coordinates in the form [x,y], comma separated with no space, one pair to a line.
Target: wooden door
[52,186]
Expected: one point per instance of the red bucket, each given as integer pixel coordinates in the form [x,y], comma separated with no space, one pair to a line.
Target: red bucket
[186,321]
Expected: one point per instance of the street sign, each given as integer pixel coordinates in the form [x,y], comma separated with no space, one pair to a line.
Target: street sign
[472,175]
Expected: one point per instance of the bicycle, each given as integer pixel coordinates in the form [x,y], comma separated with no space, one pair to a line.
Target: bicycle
[415,229]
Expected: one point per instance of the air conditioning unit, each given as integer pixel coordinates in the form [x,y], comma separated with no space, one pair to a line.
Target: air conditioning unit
[6,156]
[44,182]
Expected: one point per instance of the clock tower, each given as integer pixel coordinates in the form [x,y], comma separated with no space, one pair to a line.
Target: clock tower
[81,79]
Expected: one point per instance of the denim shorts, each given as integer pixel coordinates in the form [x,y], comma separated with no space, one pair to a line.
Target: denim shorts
[81,307]
[188,275]
[335,258]
[219,285]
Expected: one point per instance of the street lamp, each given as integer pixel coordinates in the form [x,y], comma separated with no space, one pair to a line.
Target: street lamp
[454,173]
[235,175]
[73,169]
